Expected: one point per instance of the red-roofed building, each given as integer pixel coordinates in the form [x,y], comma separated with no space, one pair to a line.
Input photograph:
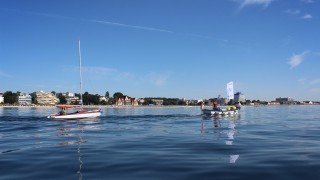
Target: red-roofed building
[126,101]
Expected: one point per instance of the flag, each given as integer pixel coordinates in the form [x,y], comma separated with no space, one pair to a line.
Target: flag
[230,90]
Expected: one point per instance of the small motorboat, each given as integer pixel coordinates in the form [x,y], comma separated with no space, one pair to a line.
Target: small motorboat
[80,114]
[221,111]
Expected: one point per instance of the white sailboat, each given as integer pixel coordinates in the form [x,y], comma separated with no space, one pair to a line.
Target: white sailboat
[223,110]
[80,114]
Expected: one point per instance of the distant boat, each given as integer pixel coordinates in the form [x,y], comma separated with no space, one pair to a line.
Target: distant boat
[80,114]
[223,110]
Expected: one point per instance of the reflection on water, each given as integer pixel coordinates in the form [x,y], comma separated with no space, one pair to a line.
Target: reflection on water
[223,126]
[76,128]
[79,152]
[231,132]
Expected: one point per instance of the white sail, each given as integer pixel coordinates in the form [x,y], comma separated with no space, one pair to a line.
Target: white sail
[230,90]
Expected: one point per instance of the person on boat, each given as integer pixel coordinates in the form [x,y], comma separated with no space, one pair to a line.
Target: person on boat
[201,105]
[215,105]
[238,106]
[63,111]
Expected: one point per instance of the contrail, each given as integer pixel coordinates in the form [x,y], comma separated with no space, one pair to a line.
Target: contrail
[109,23]
[131,26]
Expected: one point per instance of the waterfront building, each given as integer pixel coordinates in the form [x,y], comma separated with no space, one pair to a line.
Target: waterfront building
[24,99]
[141,101]
[127,101]
[239,97]
[1,98]
[273,103]
[71,98]
[45,98]
[103,98]
[287,100]
[222,101]
[158,102]
[70,95]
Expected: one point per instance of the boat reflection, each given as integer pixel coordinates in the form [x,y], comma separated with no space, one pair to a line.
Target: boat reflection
[224,127]
[68,129]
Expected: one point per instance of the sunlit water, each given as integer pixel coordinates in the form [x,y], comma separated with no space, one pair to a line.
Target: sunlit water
[278,142]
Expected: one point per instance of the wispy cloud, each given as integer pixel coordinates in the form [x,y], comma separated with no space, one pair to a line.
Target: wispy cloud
[244,3]
[315,90]
[308,1]
[94,21]
[110,23]
[98,70]
[309,82]
[297,13]
[302,81]
[306,16]
[94,73]
[315,81]
[159,79]
[5,75]
[297,59]
[293,12]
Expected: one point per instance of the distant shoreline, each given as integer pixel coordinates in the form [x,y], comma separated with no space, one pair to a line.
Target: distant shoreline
[144,106]
[93,106]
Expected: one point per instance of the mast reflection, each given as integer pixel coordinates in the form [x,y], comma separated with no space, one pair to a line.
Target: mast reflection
[69,128]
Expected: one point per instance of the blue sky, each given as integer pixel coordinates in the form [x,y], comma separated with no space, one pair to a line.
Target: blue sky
[168,48]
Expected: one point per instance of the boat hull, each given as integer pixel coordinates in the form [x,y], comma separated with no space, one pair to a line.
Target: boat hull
[88,114]
[217,112]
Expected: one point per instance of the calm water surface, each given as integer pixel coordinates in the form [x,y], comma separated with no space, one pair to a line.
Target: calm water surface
[279,142]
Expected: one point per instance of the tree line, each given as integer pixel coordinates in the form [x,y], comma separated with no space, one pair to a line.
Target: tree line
[94,99]
[87,98]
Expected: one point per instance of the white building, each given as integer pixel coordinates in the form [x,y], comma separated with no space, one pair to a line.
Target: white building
[24,99]
[103,98]
[45,98]
[71,98]
[70,95]
[1,98]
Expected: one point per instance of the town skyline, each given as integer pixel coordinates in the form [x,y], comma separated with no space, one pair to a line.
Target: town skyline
[108,95]
[177,49]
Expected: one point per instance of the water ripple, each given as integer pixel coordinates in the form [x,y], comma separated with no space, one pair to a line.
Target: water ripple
[161,143]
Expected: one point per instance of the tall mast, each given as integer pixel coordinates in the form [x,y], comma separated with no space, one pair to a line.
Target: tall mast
[80,70]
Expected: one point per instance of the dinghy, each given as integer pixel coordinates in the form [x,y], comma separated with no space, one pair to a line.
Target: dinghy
[80,114]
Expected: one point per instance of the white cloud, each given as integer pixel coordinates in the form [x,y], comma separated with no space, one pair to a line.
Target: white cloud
[297,12]
[244,3]
[307,16]
[296,60]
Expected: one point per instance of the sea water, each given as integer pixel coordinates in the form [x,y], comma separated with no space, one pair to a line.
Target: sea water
[270,142]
